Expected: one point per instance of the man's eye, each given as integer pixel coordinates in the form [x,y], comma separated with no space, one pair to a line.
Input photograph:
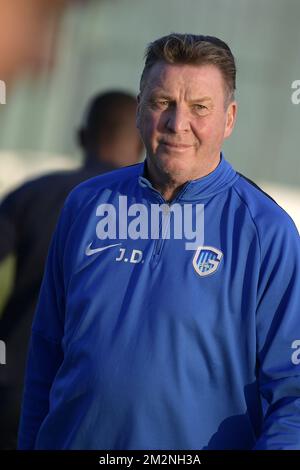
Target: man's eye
[162,102]
[199,106]
[200,109]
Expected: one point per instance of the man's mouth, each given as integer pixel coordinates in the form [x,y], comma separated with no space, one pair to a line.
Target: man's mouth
[175,145]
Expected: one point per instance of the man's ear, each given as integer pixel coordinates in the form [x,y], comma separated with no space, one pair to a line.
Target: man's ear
[230,118]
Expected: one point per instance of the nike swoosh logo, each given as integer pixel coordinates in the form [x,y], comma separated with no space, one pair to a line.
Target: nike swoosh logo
[91,251]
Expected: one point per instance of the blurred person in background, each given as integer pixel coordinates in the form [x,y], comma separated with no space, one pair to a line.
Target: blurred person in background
[108,139]
[27,36]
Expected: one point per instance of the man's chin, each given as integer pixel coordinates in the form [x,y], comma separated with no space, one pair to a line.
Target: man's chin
[174,168]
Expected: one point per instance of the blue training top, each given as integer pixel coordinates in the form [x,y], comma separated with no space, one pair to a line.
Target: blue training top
[143,344]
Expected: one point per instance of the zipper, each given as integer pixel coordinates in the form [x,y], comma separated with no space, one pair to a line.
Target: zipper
[164,224]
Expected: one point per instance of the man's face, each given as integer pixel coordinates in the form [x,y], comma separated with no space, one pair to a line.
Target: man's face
[183,120]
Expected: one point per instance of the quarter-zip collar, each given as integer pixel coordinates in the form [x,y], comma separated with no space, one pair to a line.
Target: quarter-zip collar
[221,178]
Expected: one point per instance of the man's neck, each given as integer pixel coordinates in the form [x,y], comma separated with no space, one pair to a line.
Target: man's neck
[162,183]
[169,186]
[170,190]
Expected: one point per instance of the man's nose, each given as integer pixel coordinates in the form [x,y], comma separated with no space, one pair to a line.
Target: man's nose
[177,119]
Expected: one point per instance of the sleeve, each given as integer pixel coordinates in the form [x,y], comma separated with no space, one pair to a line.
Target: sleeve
[45,350]
[278,336]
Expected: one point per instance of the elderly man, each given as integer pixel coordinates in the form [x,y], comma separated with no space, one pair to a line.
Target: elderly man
[149,333]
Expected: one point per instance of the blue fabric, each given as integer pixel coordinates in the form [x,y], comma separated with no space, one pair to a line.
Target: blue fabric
[152,355]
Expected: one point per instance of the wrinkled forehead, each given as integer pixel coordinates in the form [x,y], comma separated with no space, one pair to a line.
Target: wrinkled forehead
[187,80]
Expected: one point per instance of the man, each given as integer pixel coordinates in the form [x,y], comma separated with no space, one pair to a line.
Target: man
[109,139]
[143,342]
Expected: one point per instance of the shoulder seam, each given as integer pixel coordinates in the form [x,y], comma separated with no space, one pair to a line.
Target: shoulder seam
[254,185]
[252,218]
